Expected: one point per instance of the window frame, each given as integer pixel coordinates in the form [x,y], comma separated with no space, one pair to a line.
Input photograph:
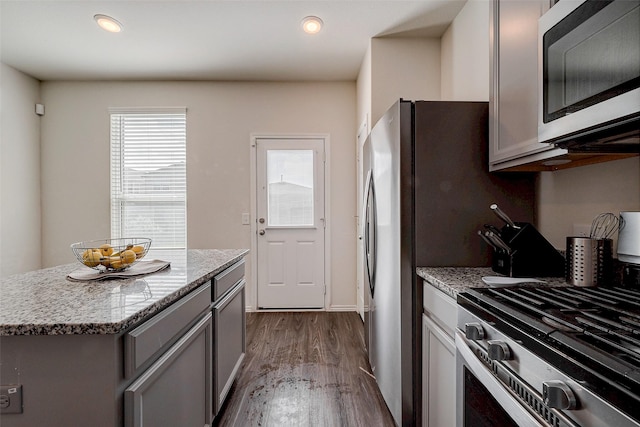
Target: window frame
[118,193]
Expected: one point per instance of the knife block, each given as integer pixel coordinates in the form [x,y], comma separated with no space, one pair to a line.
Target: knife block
[531,254]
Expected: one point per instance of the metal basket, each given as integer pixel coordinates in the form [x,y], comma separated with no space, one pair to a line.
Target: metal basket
[589,262]
[108,255]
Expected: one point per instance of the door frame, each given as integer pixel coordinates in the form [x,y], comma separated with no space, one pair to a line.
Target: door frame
[363,132]
[254,222]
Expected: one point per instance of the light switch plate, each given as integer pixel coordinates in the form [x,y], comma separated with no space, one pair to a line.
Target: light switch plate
[245,219]
[11,399]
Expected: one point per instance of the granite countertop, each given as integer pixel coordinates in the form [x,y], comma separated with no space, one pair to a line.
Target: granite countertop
[452,280]
[44,302]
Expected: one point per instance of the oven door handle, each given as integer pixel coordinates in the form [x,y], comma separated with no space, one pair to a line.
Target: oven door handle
[502,395]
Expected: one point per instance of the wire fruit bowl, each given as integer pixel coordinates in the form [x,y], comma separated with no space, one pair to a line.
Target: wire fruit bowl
[107,255]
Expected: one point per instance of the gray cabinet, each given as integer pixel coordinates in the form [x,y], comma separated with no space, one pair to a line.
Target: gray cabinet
[177,343]
[164,371]
[513,98]
[176,389]
[229,341]
[438,359]
[155,335]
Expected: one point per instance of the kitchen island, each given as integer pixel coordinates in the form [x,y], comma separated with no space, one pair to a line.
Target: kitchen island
[91,353]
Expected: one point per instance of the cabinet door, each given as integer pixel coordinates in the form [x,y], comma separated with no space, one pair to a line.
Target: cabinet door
[513,99]
[438,376]
[176,389]
[229,342]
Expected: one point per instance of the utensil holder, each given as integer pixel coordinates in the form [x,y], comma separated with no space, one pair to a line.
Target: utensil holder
[589,261]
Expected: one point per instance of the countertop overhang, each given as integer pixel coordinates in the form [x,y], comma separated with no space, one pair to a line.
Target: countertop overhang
[453,280]
[44,302]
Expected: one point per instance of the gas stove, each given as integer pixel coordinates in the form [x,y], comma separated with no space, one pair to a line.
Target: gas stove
[583,341]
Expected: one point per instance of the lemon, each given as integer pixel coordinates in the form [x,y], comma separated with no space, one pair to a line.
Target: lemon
[106,249]
[127,257]
[138,250]
[91,258]
[115,262]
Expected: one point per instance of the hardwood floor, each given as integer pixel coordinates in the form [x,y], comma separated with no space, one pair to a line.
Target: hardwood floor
[305,369]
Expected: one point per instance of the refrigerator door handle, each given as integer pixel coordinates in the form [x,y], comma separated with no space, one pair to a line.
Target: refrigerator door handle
[370,231]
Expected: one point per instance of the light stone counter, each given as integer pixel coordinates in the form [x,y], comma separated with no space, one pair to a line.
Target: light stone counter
[453,280]
[44,302]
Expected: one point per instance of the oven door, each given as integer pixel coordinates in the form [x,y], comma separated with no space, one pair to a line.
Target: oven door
[481,399]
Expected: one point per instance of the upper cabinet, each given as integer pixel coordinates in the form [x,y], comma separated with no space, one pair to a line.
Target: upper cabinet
[513,98]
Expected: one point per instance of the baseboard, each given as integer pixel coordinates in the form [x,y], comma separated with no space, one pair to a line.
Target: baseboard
[343,308]
[251,309]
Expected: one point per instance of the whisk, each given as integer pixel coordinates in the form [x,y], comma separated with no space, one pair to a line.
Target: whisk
[604,225]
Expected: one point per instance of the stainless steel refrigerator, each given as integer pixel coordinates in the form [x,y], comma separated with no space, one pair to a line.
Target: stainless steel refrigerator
[427,192]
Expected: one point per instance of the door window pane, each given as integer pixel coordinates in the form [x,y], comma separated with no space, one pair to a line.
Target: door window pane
[290,187]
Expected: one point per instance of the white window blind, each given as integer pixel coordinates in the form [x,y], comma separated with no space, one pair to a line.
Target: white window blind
[148,176]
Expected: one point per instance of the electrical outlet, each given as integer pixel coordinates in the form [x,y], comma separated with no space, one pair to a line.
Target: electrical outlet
[11,399]
[581,230]
[245,219]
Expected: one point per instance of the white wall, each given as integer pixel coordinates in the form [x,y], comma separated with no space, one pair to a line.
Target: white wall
[465,54]
[363,86]
[395,68]
[406,68]
[576,196]
[220,119]
[19,172]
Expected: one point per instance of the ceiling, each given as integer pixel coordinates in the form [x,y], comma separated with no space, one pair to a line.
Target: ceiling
[207,39]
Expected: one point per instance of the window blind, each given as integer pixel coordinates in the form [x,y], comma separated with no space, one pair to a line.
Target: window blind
[148,176]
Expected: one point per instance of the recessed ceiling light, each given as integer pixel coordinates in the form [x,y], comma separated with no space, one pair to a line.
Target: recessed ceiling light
[107,23]
[312,24]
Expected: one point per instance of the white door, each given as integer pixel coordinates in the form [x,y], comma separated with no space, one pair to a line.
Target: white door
[291,222]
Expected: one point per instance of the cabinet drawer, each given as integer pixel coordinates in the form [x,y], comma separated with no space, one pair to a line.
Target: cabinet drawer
[225,280]
[161,330]
[441,308]
[176,389]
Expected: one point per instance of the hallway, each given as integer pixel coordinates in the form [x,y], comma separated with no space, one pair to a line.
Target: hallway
[305,369]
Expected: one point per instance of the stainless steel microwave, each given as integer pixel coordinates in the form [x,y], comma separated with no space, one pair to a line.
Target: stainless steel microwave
[589,74]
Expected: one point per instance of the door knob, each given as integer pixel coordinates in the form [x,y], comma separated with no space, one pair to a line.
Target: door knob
[261,232]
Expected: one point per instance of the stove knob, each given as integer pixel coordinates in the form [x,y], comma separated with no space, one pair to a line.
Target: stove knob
[498,350]
[473,331]
[557,394]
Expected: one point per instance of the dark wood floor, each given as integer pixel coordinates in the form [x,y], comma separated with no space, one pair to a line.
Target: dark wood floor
[305,369]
